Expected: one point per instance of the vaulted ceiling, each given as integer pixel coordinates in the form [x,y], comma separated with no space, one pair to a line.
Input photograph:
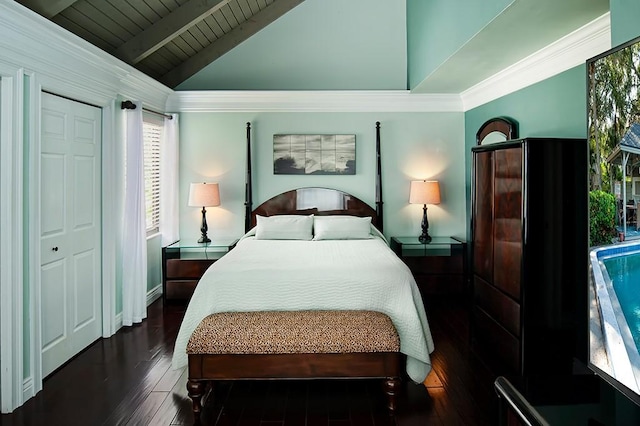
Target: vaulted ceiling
[169,40]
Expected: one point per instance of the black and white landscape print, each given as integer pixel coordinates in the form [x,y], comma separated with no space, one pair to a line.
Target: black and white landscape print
[314,154]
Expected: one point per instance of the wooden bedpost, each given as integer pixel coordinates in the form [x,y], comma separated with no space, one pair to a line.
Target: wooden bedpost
[378,180]
[248,195]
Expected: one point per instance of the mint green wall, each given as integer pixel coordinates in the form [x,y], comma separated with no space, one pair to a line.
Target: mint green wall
[319,45]
[414,146]
[154,262]
[556,107]
[436,29]
[624,20]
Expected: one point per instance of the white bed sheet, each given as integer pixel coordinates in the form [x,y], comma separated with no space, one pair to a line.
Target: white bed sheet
[262,275]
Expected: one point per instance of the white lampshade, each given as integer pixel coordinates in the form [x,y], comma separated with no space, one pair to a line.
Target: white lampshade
[424,192]
[204,195]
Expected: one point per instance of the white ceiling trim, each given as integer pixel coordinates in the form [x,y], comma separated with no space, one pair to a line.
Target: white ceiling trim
[312,101]
[566,53]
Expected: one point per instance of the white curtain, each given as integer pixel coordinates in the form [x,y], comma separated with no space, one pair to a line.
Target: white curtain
[169,182]
[134,238]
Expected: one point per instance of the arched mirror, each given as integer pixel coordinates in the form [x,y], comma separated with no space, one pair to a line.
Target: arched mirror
[497,129]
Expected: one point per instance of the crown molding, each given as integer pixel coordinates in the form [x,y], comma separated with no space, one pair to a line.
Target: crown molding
[87,73]
[562,55]
[312,101]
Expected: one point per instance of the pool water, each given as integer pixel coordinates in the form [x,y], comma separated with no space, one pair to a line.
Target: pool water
[624,272]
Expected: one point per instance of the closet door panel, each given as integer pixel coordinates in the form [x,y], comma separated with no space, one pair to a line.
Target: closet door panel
[483,216]
[507,264]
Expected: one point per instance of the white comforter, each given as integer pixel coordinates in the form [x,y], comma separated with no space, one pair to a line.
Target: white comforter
[261,275]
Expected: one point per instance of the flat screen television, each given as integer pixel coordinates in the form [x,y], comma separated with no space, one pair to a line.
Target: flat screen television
[613,112]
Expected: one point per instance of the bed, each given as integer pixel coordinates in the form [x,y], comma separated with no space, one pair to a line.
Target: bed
[313,249]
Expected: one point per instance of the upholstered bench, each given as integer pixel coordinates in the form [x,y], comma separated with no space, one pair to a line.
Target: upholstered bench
[293,344]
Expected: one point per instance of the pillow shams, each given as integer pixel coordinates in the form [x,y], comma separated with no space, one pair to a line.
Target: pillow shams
[341,227]
[284,227]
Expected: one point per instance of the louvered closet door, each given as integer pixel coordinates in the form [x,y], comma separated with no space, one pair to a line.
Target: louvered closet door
[70,223]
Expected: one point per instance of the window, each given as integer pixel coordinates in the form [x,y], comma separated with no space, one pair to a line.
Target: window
[152,132]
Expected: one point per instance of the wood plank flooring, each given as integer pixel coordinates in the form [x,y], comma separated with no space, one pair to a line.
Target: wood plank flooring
[127,380]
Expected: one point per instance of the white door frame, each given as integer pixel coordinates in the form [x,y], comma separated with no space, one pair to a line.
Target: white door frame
[14,388]
[11,237]
[109,224]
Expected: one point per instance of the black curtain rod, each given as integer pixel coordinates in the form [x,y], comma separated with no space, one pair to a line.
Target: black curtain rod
[131,105]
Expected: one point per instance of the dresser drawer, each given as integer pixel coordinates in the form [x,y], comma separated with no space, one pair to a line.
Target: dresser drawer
[501,307]
[499,347]
[187,268]
[435,264]
[180,289]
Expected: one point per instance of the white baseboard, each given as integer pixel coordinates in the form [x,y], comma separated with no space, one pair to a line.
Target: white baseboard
[27,389]
[154,294]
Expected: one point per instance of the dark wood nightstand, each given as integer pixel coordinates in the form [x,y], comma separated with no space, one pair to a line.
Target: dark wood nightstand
[184,263]
[439,267]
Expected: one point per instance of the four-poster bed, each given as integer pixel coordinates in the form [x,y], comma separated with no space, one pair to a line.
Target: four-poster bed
[313,261]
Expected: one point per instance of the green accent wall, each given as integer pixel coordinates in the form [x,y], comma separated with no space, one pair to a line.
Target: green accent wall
[318,45]
[414,146]
[436,29]
[624,20]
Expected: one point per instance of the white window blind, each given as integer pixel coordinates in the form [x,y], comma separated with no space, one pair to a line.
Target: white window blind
[152,132]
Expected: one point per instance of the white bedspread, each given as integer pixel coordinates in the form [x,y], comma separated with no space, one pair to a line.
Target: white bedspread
[262,275]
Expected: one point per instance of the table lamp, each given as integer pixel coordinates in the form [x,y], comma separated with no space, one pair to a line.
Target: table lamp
[204,195]
[424,192]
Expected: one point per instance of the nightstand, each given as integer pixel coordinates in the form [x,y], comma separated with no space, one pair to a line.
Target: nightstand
[183,264]
[439,267]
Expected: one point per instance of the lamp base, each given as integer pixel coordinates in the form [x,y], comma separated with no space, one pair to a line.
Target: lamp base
[204,239]
[424,238]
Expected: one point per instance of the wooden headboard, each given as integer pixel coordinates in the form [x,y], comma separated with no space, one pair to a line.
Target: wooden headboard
[312,200]
[316,201]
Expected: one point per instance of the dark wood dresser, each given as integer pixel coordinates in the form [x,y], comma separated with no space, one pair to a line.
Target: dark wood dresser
[529,262]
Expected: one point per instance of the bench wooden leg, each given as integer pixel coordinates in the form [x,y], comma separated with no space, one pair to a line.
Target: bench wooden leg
[391,388]
[196,389]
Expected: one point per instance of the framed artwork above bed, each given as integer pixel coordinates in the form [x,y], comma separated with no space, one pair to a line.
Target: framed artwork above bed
[314,154]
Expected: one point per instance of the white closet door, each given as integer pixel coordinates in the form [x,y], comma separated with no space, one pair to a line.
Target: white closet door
[70,229]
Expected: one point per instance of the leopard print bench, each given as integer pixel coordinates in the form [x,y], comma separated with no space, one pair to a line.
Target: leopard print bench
[293,344]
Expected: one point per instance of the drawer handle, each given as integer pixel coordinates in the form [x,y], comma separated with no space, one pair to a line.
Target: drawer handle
[55,249]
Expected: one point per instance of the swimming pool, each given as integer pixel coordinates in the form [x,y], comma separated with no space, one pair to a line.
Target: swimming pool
[619,307]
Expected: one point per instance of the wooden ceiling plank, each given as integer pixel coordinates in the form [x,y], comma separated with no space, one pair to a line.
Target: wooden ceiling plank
[229,16]
[246,9]
[116,15]
[221,21]
[237,11]
[215,27]
[166,29]
[227,42]
[131,13]
[100,22]
[78,23]
[206,30]
[47,8]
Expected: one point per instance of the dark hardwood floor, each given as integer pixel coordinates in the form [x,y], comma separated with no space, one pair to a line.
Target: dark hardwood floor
[128,380]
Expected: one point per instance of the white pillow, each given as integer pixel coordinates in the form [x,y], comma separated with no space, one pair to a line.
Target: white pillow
[284,227]
[341,228]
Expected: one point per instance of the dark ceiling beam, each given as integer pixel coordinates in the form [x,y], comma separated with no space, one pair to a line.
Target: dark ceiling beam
[228,41]
[175,23]
[47,8]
